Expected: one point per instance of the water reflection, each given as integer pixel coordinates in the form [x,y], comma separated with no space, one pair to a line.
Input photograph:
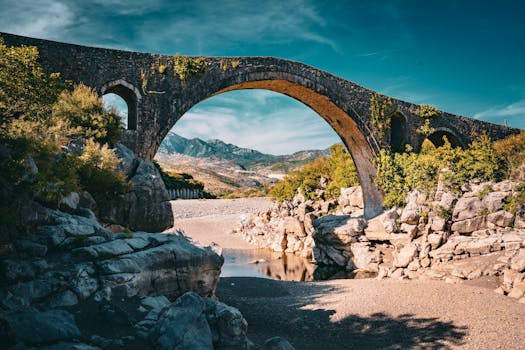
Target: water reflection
[266,263]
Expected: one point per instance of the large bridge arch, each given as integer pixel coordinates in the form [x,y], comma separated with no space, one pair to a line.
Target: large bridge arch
[341,122]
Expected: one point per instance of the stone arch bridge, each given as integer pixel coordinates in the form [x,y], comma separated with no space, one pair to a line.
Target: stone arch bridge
[159,89]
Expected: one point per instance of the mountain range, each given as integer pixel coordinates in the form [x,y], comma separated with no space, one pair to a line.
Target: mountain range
[225,168]
[245,157]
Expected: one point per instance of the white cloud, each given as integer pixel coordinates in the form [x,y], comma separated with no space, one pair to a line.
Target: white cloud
[202,27]
[274,124]
[514,113]
[45,18]
[130,7]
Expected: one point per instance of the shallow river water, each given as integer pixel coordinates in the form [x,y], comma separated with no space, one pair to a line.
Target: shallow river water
[265,263]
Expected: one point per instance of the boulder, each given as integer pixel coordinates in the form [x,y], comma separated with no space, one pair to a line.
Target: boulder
[410,214]
[519,222]
[171,268]
[34,327]
[193,322]
[437,223]
[435,239]
[308,223]
[500,218]
[69,202]
[518,290]
[494,201]
[293,226]
[364,258]
[411,230]
[467,208]
[518,261]
[183,325]
[146,207]
[447,200]
[129,162]
[405,255]
[338,229]
[351,197]
[469,225]
[277,343]
[388,218]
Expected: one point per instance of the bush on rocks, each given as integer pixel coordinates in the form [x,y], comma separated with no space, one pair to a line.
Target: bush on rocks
[400,173]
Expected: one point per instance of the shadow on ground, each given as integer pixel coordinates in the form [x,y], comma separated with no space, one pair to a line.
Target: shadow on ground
[271,310]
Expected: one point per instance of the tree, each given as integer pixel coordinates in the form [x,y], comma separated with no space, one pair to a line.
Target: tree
[84,111]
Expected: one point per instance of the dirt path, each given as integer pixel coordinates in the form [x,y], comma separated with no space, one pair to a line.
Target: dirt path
[355,314]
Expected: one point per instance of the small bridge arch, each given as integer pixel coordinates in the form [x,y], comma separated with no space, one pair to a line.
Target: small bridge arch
[129,93]
[437,138]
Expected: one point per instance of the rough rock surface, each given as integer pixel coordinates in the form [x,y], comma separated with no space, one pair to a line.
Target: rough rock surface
[289,226]
[446,236]
[67,265]
[146,207]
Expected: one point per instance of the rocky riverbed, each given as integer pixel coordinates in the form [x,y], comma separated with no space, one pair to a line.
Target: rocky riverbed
[365,313]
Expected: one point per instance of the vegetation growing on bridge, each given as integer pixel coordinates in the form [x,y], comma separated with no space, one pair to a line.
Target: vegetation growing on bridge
[338,170]
[381,110]
[428,111]
[51,139]
[186,67]
[426,129]
[226,63]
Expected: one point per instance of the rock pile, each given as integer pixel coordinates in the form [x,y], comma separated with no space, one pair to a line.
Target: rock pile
[513,280]
[446,235]
[457,236]
[289,226]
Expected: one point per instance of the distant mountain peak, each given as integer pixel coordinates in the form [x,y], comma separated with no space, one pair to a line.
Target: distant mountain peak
[215,148]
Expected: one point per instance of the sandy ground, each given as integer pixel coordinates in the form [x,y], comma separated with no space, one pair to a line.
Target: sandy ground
[212,220]
[355,314]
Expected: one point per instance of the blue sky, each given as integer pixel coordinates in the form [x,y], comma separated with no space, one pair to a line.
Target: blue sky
[463,56]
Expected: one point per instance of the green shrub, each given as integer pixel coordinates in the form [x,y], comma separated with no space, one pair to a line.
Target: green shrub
[516,202]
[381,110]
[343,172]
[391,178]
[338,169]
[85,113]
[426,129]
[97,171]
[38,120]
[175,180]
[25,89]
[512,149]
[399,173]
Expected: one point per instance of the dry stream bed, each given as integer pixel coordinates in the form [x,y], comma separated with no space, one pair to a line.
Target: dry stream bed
[346,313]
